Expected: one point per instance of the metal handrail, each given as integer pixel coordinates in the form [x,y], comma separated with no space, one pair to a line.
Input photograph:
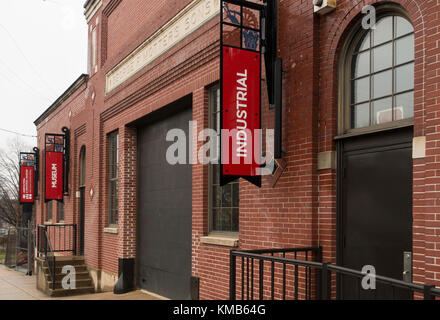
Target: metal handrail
[64,241]
[248,257]
[64,237]
[50,259]
[323,273]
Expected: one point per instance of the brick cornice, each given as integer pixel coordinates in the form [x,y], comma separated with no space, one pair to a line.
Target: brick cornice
[91,7]
[202,57]
[110,7]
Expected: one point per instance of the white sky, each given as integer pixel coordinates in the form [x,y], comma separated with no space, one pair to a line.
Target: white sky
[43,49]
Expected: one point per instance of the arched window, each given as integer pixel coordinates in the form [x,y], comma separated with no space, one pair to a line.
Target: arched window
[82,167]
[378,74]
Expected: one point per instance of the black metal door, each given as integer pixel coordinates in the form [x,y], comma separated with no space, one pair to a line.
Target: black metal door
[165,208]
[82,207]
[376,217]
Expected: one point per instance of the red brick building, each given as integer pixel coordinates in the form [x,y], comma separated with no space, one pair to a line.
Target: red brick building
[361,138]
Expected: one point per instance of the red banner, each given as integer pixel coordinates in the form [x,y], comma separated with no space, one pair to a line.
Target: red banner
[54,176]
[241,141]
[26,184]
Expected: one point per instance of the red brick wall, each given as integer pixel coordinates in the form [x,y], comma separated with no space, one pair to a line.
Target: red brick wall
[426,233]
[301,209]
[134,21]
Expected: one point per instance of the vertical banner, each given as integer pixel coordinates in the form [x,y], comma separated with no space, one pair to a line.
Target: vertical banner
[27,184]
[54,167]
[241,112]
[240,86]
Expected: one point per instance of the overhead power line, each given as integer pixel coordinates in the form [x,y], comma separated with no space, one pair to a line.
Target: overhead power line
[18,133]
[26,59]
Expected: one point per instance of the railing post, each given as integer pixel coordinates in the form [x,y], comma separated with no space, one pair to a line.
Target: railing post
[261,279]
[317,274]
[232,275]
[319,255]
[46,245]
[427,295]
[38,241]
[324,282]
[74,240]
[53,272]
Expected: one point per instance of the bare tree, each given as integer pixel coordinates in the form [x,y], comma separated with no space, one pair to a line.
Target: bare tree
[9,181]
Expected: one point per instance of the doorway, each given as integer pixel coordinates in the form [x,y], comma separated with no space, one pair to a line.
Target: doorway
[165,207]
[375,209]
[82,198]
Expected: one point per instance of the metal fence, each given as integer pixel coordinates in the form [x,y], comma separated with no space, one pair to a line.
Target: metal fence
[3,242]
[18,248]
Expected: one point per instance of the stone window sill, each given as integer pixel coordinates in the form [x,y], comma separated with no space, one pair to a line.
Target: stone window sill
[220,240]
[111,230]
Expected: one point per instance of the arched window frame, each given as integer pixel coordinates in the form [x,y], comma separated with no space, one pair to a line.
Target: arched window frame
[344,75]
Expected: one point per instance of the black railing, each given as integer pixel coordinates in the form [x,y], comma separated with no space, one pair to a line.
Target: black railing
[256,265]
[49,256]
[52,239]
[62,238]
[289,274]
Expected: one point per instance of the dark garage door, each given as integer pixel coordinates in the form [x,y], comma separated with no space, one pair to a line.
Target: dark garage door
[164,225]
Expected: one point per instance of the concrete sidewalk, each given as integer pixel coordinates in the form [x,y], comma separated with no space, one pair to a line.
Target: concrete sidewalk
[17,286]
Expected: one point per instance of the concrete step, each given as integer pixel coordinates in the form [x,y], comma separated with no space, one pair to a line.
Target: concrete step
[64,293]
[80,283]
[79,276]
[59,269]
[69,261]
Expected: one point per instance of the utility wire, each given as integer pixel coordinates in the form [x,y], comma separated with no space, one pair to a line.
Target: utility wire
[17,133]
[25,58]
[23,82]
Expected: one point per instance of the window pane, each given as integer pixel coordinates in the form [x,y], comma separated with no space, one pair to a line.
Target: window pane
[382,84]
[402,26]
[82,169]
[224,201]
[361,90]
[365,44]
[383,31]
[235,195]
[361,115]
[94,42]
[215,174]
[404,49]
[217,196]
[235,219]
[113,145]
[404,78]
[227,196]
[226,219]
[49,210]
[362,64]
[382,111]
[404,107]
[60,211]
[216,225]
[382,57]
